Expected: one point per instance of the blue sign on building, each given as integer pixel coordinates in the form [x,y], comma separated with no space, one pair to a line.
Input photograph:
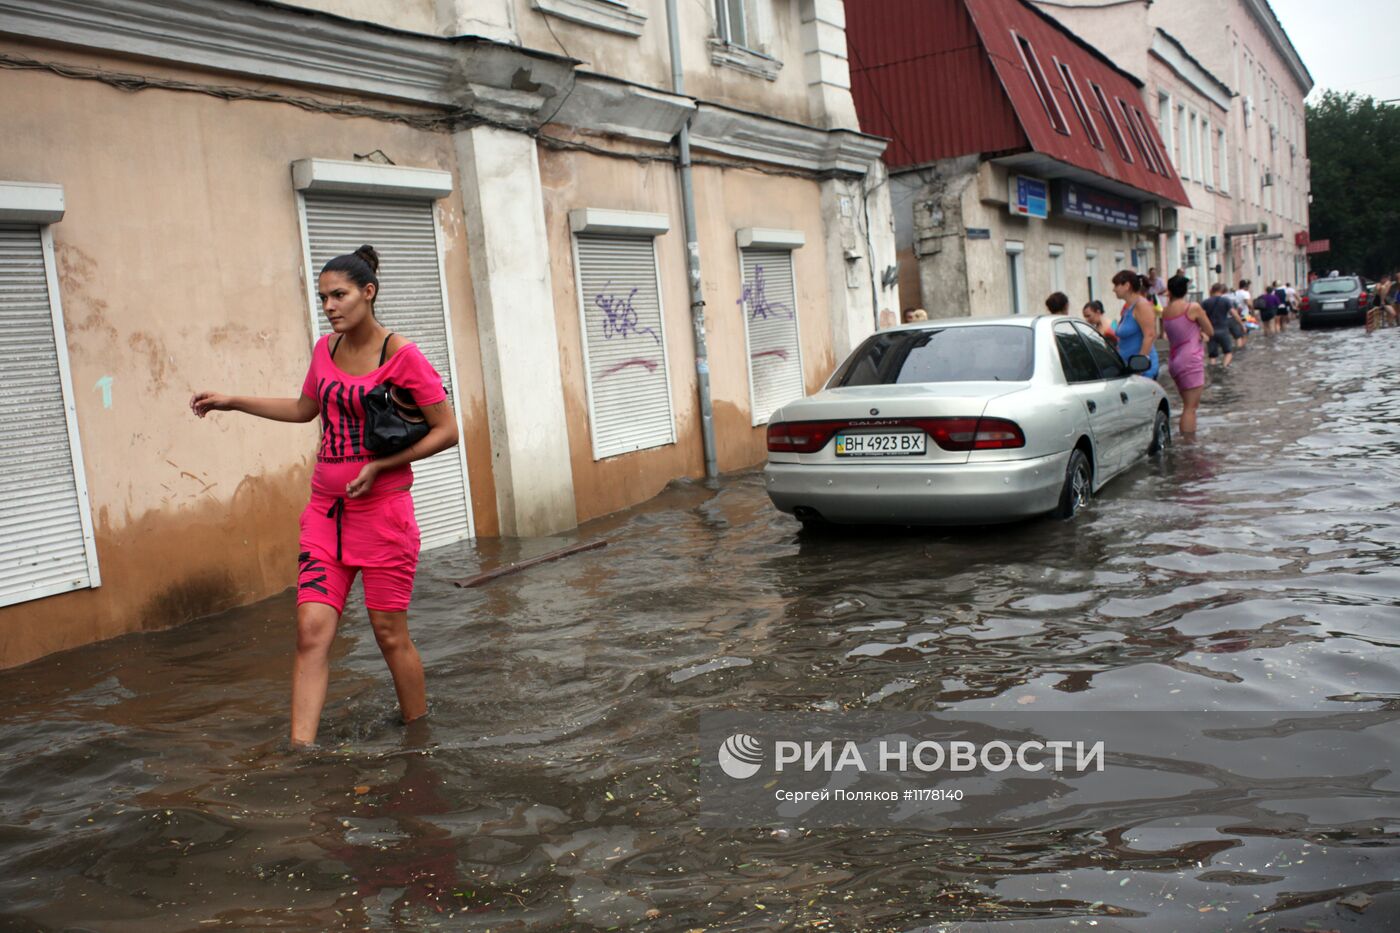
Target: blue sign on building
[1028,197]
[1095,206]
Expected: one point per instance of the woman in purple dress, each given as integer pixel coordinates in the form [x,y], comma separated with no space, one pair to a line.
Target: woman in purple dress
[1187,327]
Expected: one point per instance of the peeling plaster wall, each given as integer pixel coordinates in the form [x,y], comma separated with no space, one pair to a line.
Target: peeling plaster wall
[180,268]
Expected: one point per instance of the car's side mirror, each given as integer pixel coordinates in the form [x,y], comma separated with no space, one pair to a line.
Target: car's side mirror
[1138,363]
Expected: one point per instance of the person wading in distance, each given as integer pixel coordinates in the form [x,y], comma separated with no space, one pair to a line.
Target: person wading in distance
[360,515]
[1223,320]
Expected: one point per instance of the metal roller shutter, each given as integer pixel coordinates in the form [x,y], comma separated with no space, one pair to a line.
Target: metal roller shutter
[770,329]
[629,389]
[46,543]
[409,303]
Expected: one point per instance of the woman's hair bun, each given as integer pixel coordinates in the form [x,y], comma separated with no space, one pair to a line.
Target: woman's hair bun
[371,257]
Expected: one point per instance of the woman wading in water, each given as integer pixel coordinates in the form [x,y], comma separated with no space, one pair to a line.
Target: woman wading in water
[360,516]
[1137,323]
[1187,326]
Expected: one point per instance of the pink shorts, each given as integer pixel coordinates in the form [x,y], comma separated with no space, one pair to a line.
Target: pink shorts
[374,535]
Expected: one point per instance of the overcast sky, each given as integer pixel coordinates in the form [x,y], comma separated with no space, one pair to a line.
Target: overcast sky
[1348,45]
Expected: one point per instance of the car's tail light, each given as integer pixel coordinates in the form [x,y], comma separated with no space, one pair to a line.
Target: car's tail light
[1303,303]
[1364,299]
[801,437]
[808,437]
[973,433]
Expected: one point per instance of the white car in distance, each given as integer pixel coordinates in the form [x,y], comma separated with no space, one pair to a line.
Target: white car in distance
[965,421]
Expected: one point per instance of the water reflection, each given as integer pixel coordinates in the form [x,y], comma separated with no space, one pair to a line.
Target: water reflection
[143,786]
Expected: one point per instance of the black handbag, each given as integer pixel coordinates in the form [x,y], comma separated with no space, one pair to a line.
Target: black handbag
[392,421]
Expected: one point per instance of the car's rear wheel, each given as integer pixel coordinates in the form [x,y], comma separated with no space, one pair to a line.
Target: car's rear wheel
[1078,487]
[1161,432]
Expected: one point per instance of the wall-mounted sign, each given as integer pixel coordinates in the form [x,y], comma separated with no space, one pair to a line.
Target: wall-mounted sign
[1028,197]
[1094,206]
[979,233]
[1319,246]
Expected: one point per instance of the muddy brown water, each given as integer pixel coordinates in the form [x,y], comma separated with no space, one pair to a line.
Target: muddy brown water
[144,785]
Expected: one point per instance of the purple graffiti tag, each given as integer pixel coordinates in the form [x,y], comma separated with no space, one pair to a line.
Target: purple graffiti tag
[619,317]
[780,354]
[649,365]
[754,295]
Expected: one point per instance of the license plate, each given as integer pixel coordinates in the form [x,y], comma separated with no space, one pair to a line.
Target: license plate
[880,445]
[1333,305]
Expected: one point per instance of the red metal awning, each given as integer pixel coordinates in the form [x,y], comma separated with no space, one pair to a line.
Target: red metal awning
[945,78]
[1079,81]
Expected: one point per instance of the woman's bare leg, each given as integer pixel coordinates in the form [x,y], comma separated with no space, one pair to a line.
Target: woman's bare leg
[391,631]
[316,624]
[1190,401]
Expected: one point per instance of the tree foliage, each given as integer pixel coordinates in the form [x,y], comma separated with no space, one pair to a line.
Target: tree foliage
[1354,145]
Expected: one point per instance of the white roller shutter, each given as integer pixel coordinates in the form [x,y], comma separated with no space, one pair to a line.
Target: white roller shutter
[46,542]
[770,329]
[629,388]
[410,303]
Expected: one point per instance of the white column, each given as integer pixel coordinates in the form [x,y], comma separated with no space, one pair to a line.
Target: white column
[515,320]
[858,228]
[824,64]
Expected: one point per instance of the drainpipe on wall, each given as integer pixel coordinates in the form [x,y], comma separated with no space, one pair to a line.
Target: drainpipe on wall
[692,254]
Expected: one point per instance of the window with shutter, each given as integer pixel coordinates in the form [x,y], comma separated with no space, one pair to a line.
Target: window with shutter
[46,539]
[769,303]
[410,303]
[624,343]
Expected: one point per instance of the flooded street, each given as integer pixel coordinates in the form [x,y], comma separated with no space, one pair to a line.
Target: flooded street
[145,786]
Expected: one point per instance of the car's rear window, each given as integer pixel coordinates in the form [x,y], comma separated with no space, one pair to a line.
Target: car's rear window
[1333,286]
[989,353]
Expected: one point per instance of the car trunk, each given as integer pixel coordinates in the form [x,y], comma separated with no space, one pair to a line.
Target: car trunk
[879,409]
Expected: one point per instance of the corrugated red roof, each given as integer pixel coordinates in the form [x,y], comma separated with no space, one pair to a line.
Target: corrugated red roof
[944,78]
[920,75]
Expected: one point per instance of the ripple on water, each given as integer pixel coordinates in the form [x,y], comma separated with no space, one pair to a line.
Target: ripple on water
[553,786]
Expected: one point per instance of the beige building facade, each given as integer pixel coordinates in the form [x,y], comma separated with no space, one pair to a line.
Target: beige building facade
[1010,264]
[1267,155]
[166,201]
[1227,88]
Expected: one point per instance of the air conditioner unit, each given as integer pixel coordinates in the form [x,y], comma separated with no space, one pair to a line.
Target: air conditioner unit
[1213,244]
[1150,217]
[1169,220]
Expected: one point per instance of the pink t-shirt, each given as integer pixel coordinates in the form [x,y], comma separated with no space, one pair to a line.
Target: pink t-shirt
[342,453]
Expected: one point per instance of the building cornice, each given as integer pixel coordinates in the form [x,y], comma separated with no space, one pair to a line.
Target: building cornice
[1273,29]
[745,135]
[282,43]
[476,77]
[1173,54]
[607,105]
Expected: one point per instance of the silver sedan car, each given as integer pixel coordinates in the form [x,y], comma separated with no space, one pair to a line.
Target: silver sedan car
[965,421]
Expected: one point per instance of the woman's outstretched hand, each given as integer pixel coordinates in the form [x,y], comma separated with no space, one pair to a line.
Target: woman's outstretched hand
[201,403]
[361,484]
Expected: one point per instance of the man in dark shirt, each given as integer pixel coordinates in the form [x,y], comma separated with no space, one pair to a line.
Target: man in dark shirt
[1221,310]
